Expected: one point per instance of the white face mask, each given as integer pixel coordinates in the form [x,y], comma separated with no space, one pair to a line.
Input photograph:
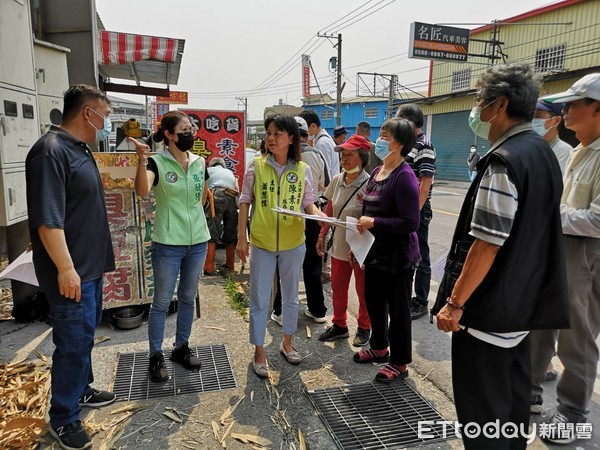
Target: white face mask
[355,169]
[538,126]
[311,137]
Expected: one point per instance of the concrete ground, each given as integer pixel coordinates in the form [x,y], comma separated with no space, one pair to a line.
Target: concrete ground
[277,410]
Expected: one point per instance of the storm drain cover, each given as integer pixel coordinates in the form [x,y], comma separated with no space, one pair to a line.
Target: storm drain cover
[378,416]
[132,383]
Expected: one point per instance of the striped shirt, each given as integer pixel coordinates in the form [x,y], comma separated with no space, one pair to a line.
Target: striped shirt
[422,158]
[496,204]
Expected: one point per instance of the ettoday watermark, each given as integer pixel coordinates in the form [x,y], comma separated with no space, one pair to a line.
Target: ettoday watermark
[494,430]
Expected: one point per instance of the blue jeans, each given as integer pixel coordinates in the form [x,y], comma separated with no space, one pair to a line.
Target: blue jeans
[168,261]
[423,273]
[73,327]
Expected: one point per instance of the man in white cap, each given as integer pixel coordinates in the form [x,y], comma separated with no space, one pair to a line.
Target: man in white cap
[580,216]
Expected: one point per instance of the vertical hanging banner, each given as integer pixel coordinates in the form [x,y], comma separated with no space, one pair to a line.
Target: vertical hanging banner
[306,76]
[220,134]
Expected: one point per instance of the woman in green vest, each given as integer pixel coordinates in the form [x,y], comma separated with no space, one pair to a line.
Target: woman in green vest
[180,235]
[277,178]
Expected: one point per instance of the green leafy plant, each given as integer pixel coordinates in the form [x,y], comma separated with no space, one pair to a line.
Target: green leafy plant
[237,297]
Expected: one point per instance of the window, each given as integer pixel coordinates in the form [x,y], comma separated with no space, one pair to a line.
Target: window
[371,113]
[551,58]
[461,80]
[327,114]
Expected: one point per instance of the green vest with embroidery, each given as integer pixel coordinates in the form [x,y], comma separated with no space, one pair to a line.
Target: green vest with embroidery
[179,217]
[269,230]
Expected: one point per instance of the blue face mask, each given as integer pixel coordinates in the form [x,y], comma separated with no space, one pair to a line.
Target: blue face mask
[538,126]
[103,133]
[382,149]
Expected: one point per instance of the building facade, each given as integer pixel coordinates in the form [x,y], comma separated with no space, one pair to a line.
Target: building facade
[561,41]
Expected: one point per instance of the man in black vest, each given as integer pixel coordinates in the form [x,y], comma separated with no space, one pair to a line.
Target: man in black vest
[505,273]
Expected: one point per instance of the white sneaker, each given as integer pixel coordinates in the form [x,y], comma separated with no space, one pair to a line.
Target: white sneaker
[277,319]
[307,313]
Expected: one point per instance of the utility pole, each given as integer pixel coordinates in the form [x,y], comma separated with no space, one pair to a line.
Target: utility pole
[244,101]
[393,82]
[338,109]
[339,88]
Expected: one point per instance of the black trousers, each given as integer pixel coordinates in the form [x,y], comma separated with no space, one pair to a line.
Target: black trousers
[311,271]
[491,383]
[388,297]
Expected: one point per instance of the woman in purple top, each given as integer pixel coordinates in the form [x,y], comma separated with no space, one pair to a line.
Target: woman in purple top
[391,214]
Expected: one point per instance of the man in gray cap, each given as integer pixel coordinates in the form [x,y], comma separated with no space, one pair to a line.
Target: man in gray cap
[580,217]
[339,135]
[545,122]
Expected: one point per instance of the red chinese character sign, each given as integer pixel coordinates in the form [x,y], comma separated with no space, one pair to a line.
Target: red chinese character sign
[220,134]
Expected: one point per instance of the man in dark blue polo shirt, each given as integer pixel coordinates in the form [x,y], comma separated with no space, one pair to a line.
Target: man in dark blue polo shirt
[72,249]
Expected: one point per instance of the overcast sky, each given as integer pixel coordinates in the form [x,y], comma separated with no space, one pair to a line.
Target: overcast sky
[236,48]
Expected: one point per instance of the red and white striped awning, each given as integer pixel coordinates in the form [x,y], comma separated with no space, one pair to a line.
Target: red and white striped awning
[140,58]
[123,48]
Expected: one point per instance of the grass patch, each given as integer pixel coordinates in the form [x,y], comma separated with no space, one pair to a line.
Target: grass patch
[237,297]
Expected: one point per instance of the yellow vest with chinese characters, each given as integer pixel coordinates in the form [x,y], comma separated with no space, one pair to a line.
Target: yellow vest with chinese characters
[269,230]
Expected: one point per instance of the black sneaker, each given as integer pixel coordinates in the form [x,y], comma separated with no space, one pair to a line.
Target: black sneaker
[334,332]
[417,310]
[157,369]
[96,398]
[184,356]
[561,430]
[362,338]
[536,404]
[72,436]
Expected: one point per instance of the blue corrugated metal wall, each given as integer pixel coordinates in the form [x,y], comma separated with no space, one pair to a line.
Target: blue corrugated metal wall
[450,134]
[352,113]
[452,139]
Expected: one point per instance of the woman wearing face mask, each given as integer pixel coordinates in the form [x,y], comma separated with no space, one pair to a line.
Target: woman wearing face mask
[391,214]
[180,235]
[345,194]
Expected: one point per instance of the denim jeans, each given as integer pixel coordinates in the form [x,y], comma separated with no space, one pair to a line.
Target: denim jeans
[169,261]
[423,273]
[73,327]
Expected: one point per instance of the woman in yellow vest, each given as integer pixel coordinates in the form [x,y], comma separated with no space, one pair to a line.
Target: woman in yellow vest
[180,235]
[277,178]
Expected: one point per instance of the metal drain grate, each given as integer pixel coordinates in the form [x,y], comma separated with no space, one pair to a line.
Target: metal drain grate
[132,383]
[375,415]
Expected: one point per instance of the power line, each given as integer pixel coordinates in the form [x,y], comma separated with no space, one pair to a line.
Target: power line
[336,27]
[364,17]
[323,30]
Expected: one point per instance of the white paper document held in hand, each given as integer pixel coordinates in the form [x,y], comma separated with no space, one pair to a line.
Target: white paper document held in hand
[360,244]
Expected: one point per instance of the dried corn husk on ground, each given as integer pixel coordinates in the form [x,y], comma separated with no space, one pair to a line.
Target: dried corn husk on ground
[6,304]
[24,387]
